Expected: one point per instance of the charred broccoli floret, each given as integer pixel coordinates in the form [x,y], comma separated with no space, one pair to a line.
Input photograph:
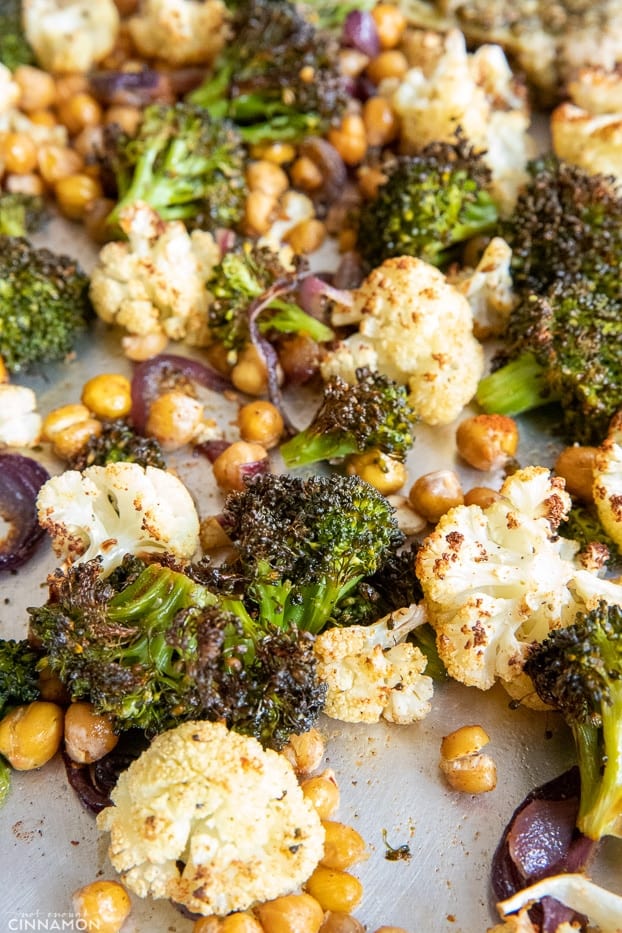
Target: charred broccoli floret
[185,165]
[564,338]
[118,441]
[44,304]
[19,676]
[373,413]
[246,277]
[14,47]
[303,545]
[277,78]
[578,670]
[153,647]
[430,204]
[21,214]
[327,14]
[584,526]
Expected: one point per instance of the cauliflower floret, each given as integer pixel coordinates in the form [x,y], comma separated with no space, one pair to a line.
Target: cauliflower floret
[155,282]
[20,423]
[587,131]
[70,35]
[488,289]
[9,90]
[372,673]
[117,509]
[415,328]
[181,32]
[477,93]
[607,486]
[213,821]
[497,579]
[14,121]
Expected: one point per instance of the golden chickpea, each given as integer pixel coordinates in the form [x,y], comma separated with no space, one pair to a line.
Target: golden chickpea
[56,162]
[18,153]
[334,890]
[576,466]
[389,64]
[78,111]
[108,395]
[306,236]
[42,118]
[31,735]
[88,143]
[337,922]
[242,922]
[67,443]
[435,493]
[306,175]
[260,422]
[293,913]
[349,139]
[347,240]
[74,193]
[482,496]
[88,735]
[259,212]
[352,63]
[249,375]
[343,846]
[174,419]
[369,180]
[467,740]
[52,688]
[391,930]
[212,535]
[279,153]
[139,347]
[322,791]
[307,751]
[67,85]
[125,116]
[475,774]
[385,473]
[390,24]
[228,468]
[208,925]
[59,419]
[487,442]
[103,906]
[268,177]
[38,90]
[381,123]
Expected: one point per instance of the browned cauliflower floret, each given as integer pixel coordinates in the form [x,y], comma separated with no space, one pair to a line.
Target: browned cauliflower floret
[416,328]
[70,35]
[181,32]
[211,820]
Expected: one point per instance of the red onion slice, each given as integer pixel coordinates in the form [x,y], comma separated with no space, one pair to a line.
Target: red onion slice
[21,479]
[360,32]
[149,376]
[314,292]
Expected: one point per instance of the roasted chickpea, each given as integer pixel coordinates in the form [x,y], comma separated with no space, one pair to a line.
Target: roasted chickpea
[383,472]
[88,735]
[337,922]
[334,890]
[108,395]
[268,177]
[576,466]
[349,139]
[174,419]
[305,751]
[465,769]
[260,422]
[435,493]
[343,846]
[31,735]
[487,442]
[293,913]
[322,791]
[390,24]
[102,906]
[249,375]
[228,468]
[482,496]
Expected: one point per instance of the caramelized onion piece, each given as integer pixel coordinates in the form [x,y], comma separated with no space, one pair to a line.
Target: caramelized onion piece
[20,481]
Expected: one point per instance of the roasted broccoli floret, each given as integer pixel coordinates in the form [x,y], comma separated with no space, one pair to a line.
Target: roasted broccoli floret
[153,647]
[185,165]
[584,526]
[328,15]
[277,78]
[578,670]
[564,338]
[373,413]
[118,441]
[303,545]
[44,304]
[21,214]
[14,47]
[19,677]
[430,204]
[249,276]
[565,347]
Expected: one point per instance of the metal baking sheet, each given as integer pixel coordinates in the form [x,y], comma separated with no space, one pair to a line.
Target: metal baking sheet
[391,787]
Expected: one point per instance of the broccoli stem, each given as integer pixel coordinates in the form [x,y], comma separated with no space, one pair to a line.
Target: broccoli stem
[309,447]
[600,766]
[517,387]
[289,318]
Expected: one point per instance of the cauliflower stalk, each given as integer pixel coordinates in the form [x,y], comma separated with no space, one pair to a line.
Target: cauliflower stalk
[497,579]
[608,481]
[371,671]
[211,820]
[117,509]
[416,328]
[70,35]
[154,284]
[180,32]
[474,92]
